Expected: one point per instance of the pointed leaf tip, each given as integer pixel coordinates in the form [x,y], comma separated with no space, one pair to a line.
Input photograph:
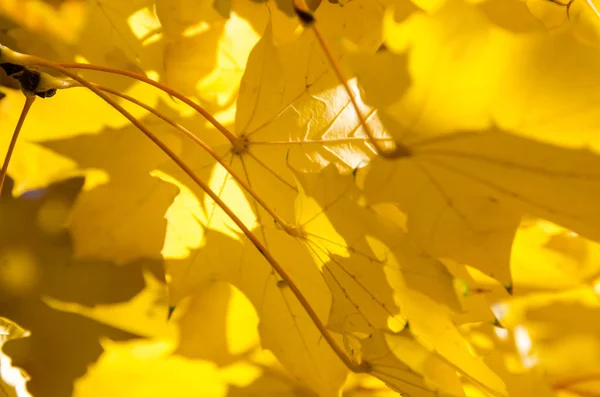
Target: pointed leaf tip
[171,311]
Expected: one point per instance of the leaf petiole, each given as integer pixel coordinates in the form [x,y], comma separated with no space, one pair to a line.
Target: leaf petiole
[204,146]
[29,99]
[29,60]
[307,18]
[176,94]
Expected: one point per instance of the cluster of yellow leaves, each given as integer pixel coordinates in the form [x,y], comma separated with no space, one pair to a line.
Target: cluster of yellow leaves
[466,266]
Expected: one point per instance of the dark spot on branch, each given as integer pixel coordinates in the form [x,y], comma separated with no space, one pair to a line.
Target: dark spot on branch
[305,17]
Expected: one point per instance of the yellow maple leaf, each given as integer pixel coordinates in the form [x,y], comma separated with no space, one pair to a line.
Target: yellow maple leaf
[475,228]
[221,314]
[499,352]
[557,333]
[284,326]
[405,365]
[421,288]
[570,259]
[495,120]
[148,369]
[63,20]
[135,205]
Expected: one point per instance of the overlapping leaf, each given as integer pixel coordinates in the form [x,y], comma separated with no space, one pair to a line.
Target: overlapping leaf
[494,113]
[378,255]
[138,200]
[37,262]
[284,326]
[557,334]
[471,214]
[148,369]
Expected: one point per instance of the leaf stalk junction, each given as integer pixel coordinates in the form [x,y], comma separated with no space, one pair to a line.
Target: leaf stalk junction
[45,86]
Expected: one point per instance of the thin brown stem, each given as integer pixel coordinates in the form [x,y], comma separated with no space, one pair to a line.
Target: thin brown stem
[567,5]
[204,146]
[228,134]
[29,99]
[353,366]
[306,16]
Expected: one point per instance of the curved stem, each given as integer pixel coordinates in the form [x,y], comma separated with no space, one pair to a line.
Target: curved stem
[567,5]
[306,15]
[29,99]
[204,146]
[353,366]
[228,134]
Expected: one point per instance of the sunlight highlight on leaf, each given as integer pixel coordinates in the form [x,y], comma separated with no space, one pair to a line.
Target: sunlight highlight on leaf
[216,219]
[148,369]
[524,346]
[463,263]
[11,377]
[143,23]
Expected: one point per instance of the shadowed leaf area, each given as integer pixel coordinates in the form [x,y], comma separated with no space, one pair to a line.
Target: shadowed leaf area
[37,262]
